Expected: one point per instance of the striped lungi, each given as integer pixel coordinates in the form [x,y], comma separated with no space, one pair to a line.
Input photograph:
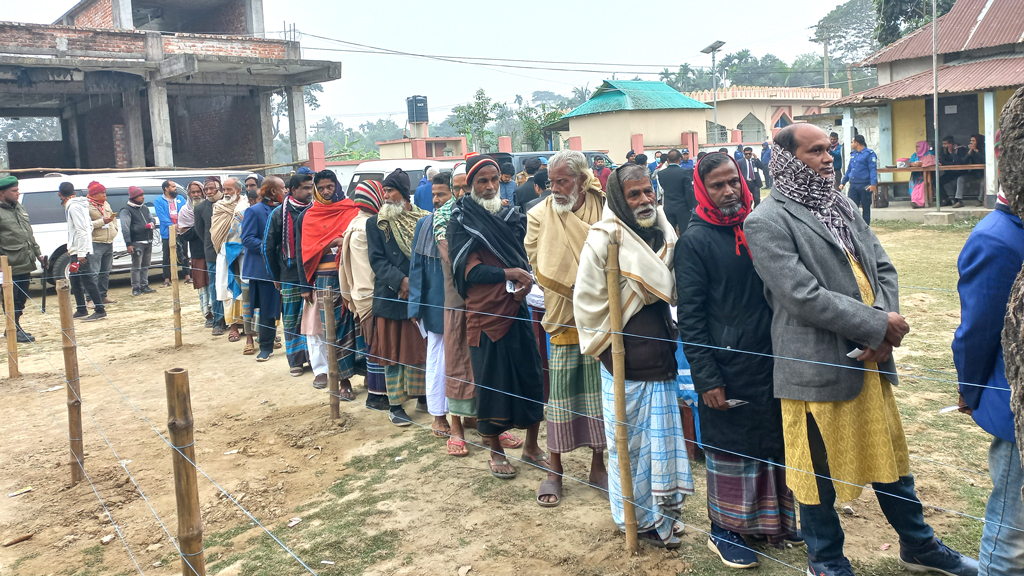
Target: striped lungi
[375,383]
[349,347]
[573,411]
[291,319]
[750,496]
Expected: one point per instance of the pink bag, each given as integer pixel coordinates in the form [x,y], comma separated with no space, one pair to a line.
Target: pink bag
[917,193]
[928,160]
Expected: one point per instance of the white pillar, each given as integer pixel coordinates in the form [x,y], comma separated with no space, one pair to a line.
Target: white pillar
[254,18]
[121,10]
[884,152]
[991,175]
[160,124]
[297,123]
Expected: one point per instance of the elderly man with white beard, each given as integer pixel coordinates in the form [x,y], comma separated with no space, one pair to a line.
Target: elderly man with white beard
[555,233]
[490,270]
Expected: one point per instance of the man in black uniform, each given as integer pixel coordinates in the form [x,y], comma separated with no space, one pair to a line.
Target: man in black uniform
[676,180]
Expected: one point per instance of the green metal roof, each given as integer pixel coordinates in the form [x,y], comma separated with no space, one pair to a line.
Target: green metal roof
[620,95]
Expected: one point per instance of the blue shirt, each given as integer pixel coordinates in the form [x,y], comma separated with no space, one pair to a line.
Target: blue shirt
[738,153]
[766,156]
[426,280]
[508,190]
[837,156]
[424,197]
[863,167]
[254,224]
[163,212]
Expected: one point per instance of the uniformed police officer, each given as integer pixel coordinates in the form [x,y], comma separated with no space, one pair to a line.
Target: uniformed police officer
[862,174]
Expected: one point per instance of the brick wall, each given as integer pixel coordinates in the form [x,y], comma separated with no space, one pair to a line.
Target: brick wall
[224,46]
[98,136]
[228,19]
[100,14]
[216,131]
[120,147]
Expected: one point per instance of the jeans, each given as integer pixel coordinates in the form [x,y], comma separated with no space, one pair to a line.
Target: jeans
[216,305]
[820,523]
[1002,547]
[861,196]
[142,253]
[21,282]
[100,262]
[961,185]
[85,281]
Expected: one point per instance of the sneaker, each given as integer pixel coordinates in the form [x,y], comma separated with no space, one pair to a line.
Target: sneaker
[136,292]
[320,382]
[148,290]
[839,567]
[795,540]
[263,356]
[937,557]
[421,405]
[958,204]
[95,316]
[399,418]
[731,548]
[80,314]
[376,402]
[25,337]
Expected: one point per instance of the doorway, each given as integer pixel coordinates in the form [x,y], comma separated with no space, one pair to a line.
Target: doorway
[958,117]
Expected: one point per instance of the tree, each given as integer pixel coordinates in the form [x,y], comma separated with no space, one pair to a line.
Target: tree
[445,129]
[381,130]
[545,97]
[897,18]
[850,29]
[472,119]
[687,78]
[279,104]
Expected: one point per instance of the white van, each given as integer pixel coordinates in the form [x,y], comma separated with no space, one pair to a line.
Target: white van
[379,169]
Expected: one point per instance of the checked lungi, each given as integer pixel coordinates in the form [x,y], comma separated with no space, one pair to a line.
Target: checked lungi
[657,453]
[750,496]
[401,350]
[573,412]
[291,322]
[349,346]
[375,382]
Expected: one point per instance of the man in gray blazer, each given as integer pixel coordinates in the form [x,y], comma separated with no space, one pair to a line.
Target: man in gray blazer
[836,319]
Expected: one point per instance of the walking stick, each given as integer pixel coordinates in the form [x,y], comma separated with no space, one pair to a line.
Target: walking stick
[46,264]
[619,374]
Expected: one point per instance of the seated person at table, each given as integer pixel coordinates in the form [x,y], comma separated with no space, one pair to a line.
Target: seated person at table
[917,178]
[952,154]
[975,155]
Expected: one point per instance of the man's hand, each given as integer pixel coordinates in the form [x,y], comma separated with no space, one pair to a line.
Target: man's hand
[278,286]
[523,282]
[872,189]
[963,408]
[42,260]
[403,289]
[307,296]
[131,249]
[504,202]
[881,354]
[337,242]
[108,219]
[715,399]
[896,330]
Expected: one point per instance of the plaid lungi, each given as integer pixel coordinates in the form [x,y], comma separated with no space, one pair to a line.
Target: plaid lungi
[573,411]
[657,453]
[349,346]
[291,318]
[750,496]
[405,382]
[375,383]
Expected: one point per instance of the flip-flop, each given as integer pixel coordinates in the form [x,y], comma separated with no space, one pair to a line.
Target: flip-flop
[537,461]
[654,539]
[549,488]
[501,475]
[441,432]
[459,447]
[346,394]
[234,336]
[509,441]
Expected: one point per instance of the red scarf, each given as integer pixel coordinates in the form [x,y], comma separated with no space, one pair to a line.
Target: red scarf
[709,212]
[321,224]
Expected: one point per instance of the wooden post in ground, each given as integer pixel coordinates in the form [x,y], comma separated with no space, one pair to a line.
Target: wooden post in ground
[186,489]
[173,236]
[332,352]
[11,331]
[619,374]
[72,383]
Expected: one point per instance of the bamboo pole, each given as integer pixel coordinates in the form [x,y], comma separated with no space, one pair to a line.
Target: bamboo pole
[11,331]
[71,377]
[186,488]
[173,236]
[332,353]
[619,374]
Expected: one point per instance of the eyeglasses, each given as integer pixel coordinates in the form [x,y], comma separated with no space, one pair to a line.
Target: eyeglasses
[464,188]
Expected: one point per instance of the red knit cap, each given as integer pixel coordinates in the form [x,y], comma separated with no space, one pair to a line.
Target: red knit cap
[96,188]
[134,192]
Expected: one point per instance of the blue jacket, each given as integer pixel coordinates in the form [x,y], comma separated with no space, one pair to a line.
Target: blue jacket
[508,190]
[988,265]
[738,153]
[424,197]
[163,212]
[426,280]
[863,168]
[254,224]
[766,155]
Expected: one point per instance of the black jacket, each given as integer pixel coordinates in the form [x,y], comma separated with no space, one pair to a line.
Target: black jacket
[201,230]
[281,269]
[133,224]
[526,192]
[677,191]
[757,168]
[390,266]
[721,303]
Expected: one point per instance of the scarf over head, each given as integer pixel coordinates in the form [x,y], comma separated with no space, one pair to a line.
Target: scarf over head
[444,214]
[709,212]
[472,227]
[398,180]
[321,225]
[922,149]
[212,179]
[617,202]
[796,181]
[554,241]
[369,194]
[402,226]
[220,222]
[318,195]
[187,214]
[95,189]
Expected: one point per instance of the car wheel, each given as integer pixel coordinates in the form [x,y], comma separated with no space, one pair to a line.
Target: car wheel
[59,269]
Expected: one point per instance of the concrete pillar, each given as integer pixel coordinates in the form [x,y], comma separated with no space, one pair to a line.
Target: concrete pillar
[133,128]
[297,122]
[317,160]
[72,137]
[160,124]
[736,136]
[884,152]
[575,143]
[122,12]
[847,136]
[505,144]
[419,148]
[636,143]
[254,18]
[991,125]
[265,147]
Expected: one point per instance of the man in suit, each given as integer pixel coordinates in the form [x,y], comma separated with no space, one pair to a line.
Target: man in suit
[526,192]
[676,182]
[833,290]
[750,169]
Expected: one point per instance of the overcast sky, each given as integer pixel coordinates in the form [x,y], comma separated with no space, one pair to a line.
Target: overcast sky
[627,35]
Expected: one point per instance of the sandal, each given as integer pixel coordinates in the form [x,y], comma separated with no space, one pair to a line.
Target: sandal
[250,349]
[296,371]
[654,539]
[188,279]
[509,441]
[234,336]
[457,447]
[538,461]
[549,488]
[441,432]
[501,475]
[346,394]
[277,345]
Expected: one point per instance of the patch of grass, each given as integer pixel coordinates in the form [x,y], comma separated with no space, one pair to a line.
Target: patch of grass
[224,538]
[219,565]
[463,542]
[93,555]
[24,559]
[959,225]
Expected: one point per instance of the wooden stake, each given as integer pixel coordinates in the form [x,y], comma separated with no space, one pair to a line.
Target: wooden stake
[186,489]
[173,236]
[619,374]
[332,353]
[11,331]
[68,343]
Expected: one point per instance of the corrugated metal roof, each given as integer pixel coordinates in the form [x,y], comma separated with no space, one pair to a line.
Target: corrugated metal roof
[970,25]
[619,95]
[970,76]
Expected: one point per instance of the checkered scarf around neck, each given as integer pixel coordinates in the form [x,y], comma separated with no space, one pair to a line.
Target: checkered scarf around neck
[290,209]
[796,181]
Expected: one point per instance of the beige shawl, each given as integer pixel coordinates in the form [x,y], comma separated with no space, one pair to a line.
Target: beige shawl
[354,272]
[553,243]
[220,222]
[646,278]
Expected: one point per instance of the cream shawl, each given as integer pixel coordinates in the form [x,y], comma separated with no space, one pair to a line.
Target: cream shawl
[646,278]
[354,272]
[553,243]
[220,222]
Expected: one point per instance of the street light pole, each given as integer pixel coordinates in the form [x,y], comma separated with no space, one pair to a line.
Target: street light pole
[713,49]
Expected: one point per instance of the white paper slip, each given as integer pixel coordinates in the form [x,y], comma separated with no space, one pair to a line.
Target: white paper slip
[948,409]
[855,353]
[733,402]
[419,324]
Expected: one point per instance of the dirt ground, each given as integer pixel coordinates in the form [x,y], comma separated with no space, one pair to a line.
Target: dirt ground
[375,499]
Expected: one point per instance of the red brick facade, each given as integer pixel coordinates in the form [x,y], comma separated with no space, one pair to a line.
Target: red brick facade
[224,46]
[215,131]
[228,19]
[100,14]
[120,147]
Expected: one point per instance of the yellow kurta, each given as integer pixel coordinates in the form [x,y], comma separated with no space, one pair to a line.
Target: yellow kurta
[863,437]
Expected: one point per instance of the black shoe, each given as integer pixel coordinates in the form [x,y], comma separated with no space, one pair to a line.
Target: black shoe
[376,402]
[209,323]
[148,290]
[320,382]
[25,337]
[80,314]
[95,316]
[136,292]
[399,418]
[421,405]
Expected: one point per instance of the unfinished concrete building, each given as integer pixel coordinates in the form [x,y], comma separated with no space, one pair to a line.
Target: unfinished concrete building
[154,83]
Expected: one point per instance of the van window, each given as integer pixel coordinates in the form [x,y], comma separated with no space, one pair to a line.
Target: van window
[44,207]
[414,179]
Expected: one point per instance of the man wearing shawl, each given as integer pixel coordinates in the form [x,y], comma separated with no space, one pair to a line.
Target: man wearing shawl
[490,271]
[397,343]
[555,233]
[835,302]
[721,305]
[657,451]
[280,251]
[322,230]
[226,237]
[263,295]
[356,283]
[197,270]
[203,216]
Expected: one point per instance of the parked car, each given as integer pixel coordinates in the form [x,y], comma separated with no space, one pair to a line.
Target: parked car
[518,158]
[379,169]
